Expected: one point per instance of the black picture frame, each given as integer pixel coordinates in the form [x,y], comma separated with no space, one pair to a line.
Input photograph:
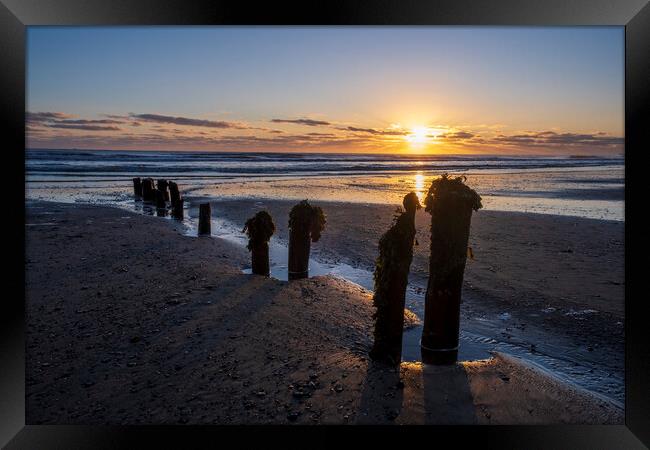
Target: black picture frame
[16,15]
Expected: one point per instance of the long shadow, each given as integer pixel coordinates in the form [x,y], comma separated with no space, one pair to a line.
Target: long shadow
[416,394]
[447,395]
[382,396]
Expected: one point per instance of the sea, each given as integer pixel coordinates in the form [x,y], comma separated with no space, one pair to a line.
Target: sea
[592,187]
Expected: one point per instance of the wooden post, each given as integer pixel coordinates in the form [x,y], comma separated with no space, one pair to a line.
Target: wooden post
[299,248]
[259,229]
[162,186]
[160,199]
[391,279]
[177,209]
[174,194]
[305,222]
[148,191]
[260,264]
[205,217]
[137,187]
[450,203]
[161,206]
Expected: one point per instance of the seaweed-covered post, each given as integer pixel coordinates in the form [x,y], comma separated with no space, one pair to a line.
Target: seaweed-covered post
[306,223]
[205,216]
[450,202]
[137,187]
[148,190]
[391,278]
[162,186]
[259,230]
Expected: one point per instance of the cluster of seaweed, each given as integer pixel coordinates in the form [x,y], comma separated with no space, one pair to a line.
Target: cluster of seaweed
[259,229]
[411,202]
[455,187]
[396,244]
[305,216]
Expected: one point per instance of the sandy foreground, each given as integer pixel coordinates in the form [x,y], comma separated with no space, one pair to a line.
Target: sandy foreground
[129,322]
[552,286]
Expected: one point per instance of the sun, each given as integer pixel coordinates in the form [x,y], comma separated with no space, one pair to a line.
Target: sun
[418,135]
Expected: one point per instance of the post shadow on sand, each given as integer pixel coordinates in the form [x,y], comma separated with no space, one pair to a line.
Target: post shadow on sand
[414,394]
[382,396]
[447,395]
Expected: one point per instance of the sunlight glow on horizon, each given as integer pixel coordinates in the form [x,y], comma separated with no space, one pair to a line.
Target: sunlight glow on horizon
[452,90]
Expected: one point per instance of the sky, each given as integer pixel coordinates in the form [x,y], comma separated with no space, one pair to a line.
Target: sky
[434,90]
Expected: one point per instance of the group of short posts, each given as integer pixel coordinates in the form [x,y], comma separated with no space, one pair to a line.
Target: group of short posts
[451,204]
[306,222]
[160,192]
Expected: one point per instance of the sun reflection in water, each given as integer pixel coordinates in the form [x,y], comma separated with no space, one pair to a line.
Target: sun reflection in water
[419,186]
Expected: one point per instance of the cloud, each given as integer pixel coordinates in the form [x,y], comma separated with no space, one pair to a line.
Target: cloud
[321,134]
[456,135]
[551,138]
[88,121]
[186,121]
[155,130]
[46,116]
[308,122]
[375,131]
[72,126]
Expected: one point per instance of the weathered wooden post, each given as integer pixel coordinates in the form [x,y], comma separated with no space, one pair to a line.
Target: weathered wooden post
[137,187]
[148,190]
[306,223]
[391,279]
[450,202]
[205,216]
[174,194]
[161,206]
[162,186]
[259,230]
[177,209]
[160,199]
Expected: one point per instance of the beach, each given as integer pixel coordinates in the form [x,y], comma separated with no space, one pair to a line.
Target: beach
[546,287]
[478,174]
[133,320]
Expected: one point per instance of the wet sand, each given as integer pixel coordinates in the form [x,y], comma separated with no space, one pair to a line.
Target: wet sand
[129,322]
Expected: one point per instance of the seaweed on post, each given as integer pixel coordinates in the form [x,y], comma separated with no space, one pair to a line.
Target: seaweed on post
[259,230]
[451,203]
[306,223]
[391,278]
